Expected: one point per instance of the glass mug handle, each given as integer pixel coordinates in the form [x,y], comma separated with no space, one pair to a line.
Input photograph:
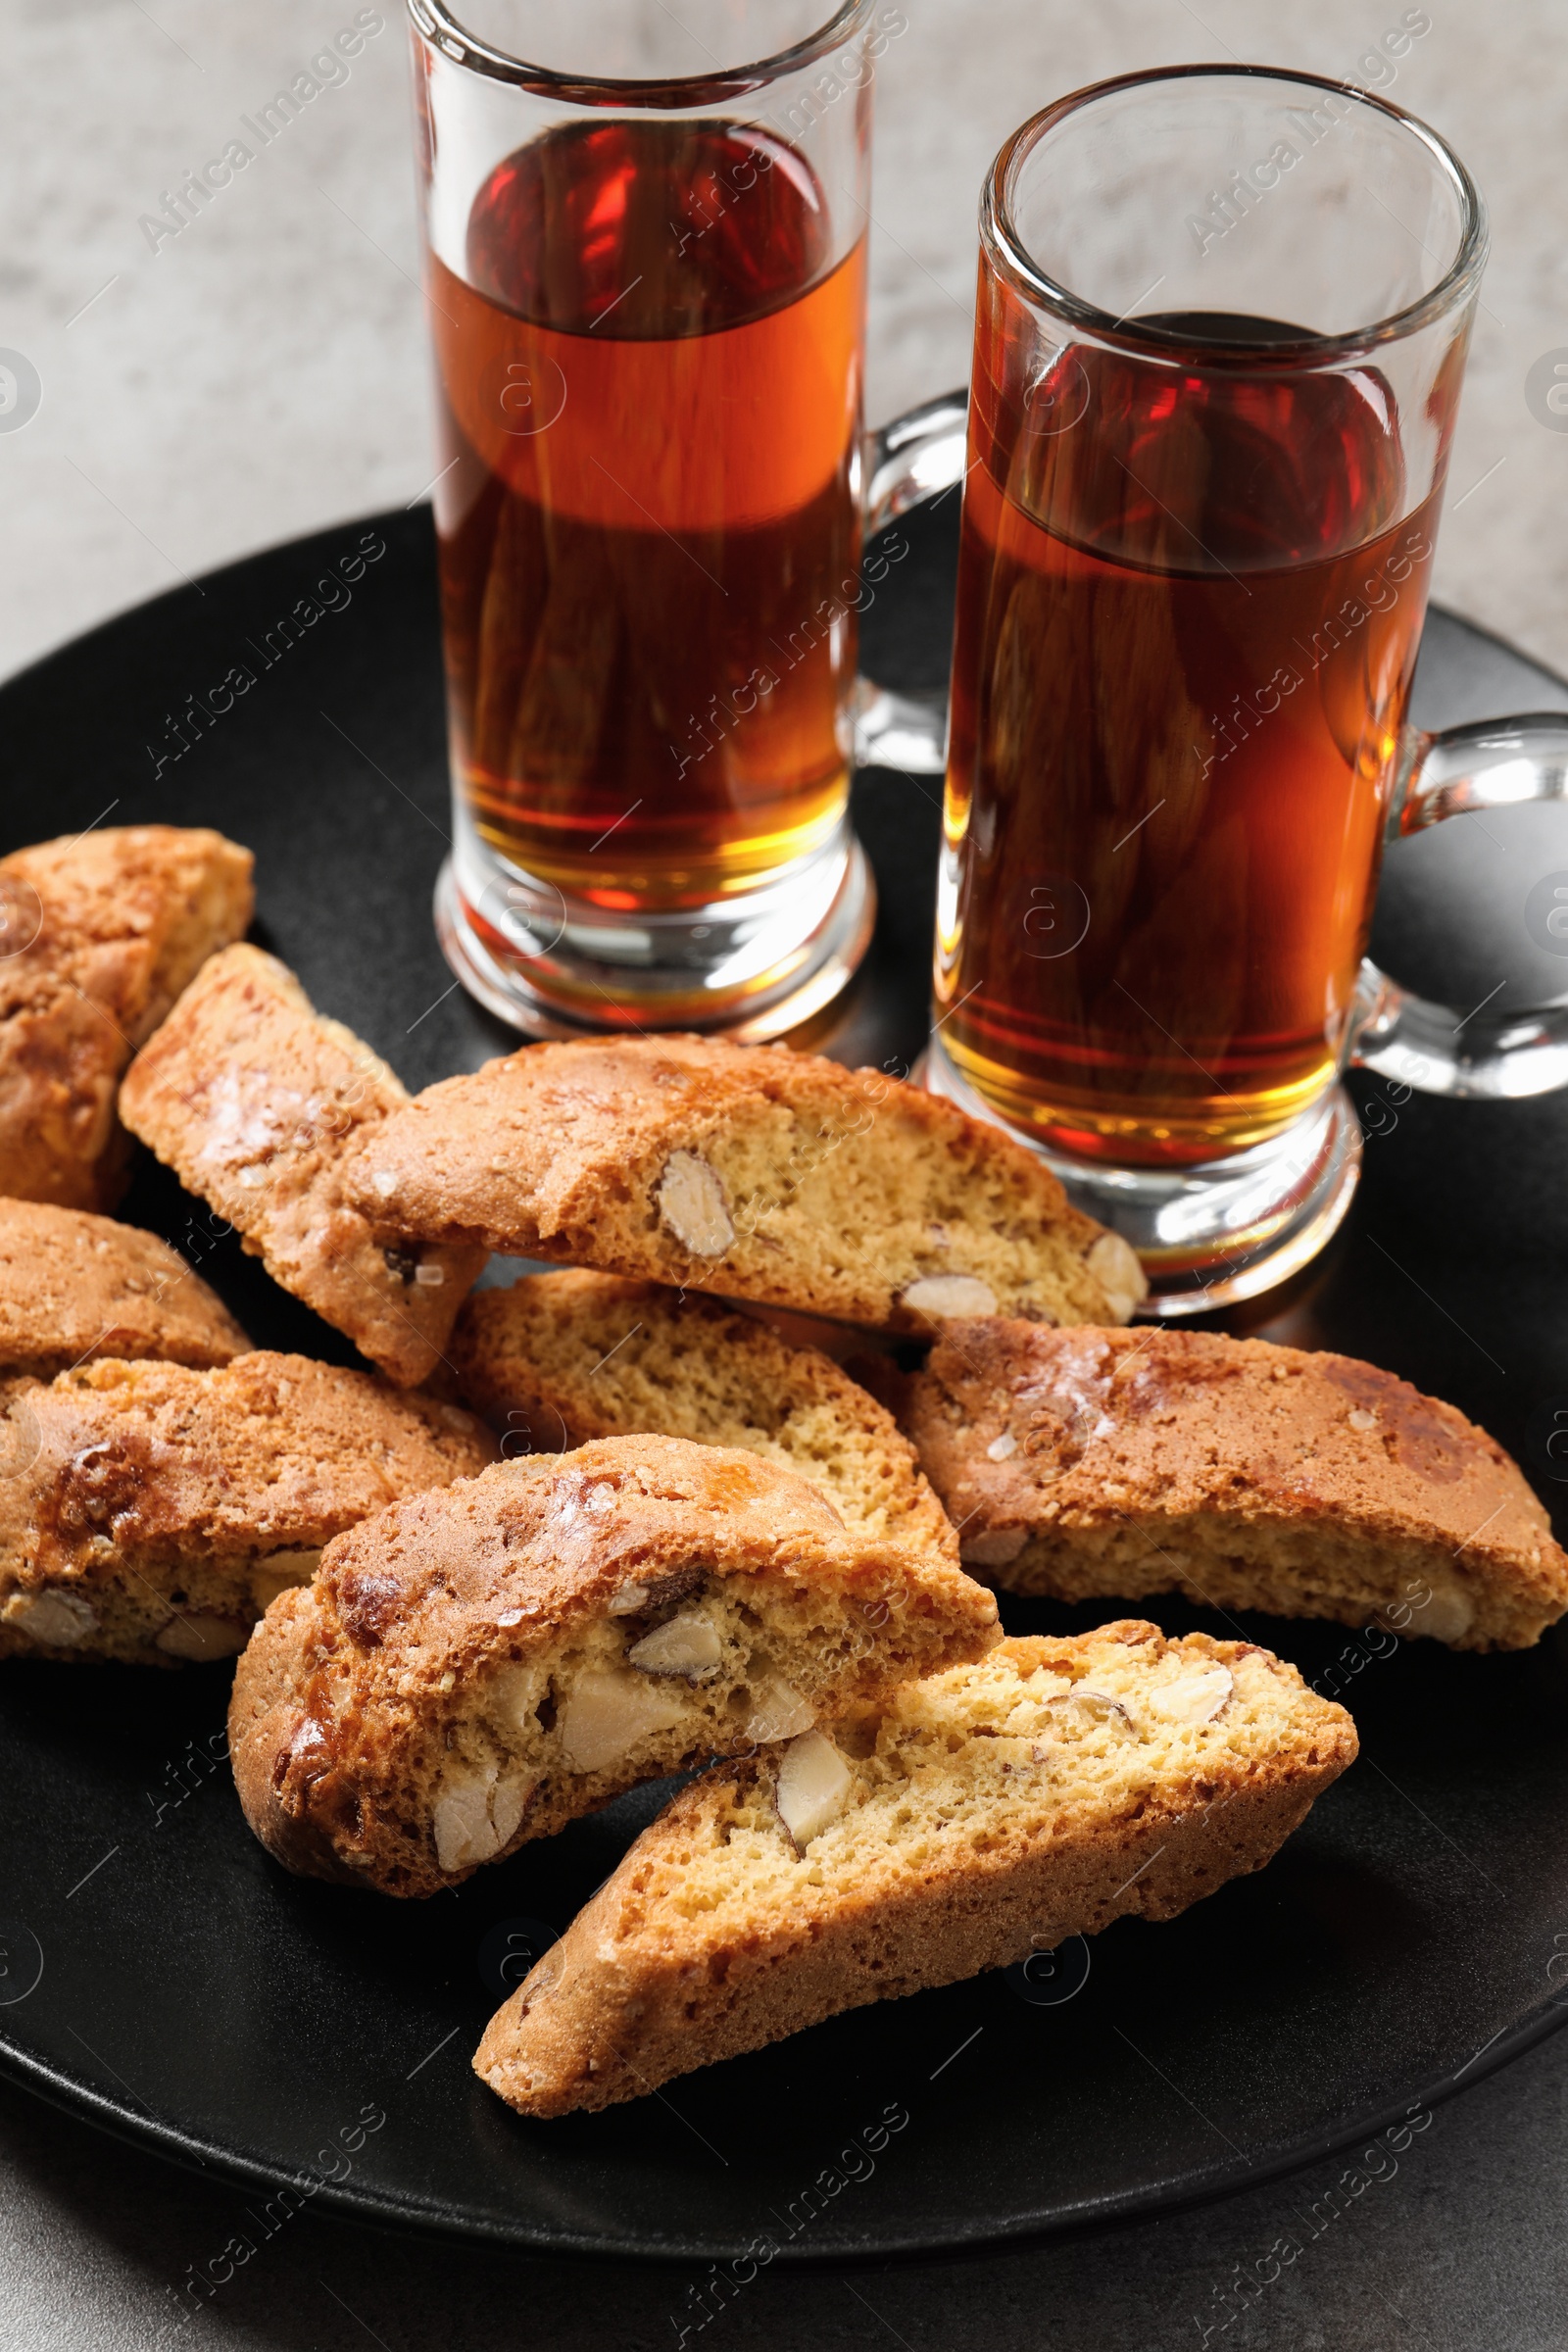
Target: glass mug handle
[1492,764]
[910,463]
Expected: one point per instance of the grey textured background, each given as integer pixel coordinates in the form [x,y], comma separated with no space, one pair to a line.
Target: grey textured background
[263,374]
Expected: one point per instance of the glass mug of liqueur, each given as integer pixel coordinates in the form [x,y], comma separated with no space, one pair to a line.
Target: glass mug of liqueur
[1222,324]
[646,285]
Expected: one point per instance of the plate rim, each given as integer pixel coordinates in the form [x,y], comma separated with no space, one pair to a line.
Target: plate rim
[208,2159]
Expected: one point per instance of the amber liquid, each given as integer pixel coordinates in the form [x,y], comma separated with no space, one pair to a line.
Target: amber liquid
[649,541]
[1189,606]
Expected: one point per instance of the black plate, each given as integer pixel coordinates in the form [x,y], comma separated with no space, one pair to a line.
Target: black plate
[193,1997]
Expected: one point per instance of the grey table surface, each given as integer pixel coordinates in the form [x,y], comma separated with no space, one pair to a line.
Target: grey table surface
[267,375]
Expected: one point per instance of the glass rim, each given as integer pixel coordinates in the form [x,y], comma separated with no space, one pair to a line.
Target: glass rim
[436,22]
[1005,248]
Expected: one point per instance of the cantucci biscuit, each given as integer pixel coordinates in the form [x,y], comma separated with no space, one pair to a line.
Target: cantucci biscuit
[970,1820]
[473,1669]
[149,1512]
[560,1358]
[256,1100]
[73,1287]
[751,1171]
[98,936]
[1093,1463]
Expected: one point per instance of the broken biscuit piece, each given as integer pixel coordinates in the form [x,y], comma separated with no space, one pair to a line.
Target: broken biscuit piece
[1090,1464]
[751,1171]
[149,1512]
[73,1287]
[98,936]
[474,1669]
[560,1358]
[964,1822]
[256,1101]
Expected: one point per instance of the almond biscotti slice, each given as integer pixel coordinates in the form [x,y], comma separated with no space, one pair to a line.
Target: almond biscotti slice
[149,1512]
[560,1358]
[1090,1463]
[98,936]
[474,1669]
[967,1820]
[753,1171]
[255,1100]
[74,1286]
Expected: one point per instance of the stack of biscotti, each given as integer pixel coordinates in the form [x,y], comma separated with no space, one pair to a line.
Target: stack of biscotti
[718,1543]
[680,1165]
[912,1799]
[963,1823]
[1087,1464]
[475,1667]
[98,936]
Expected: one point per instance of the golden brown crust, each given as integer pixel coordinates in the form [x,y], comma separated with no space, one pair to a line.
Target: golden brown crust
[443,1645]
[138,1500]
[255,1100]
[561,1358]
[73,1287]
[751,1171]
[99,934]
[981,1823]
[1249,1476]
